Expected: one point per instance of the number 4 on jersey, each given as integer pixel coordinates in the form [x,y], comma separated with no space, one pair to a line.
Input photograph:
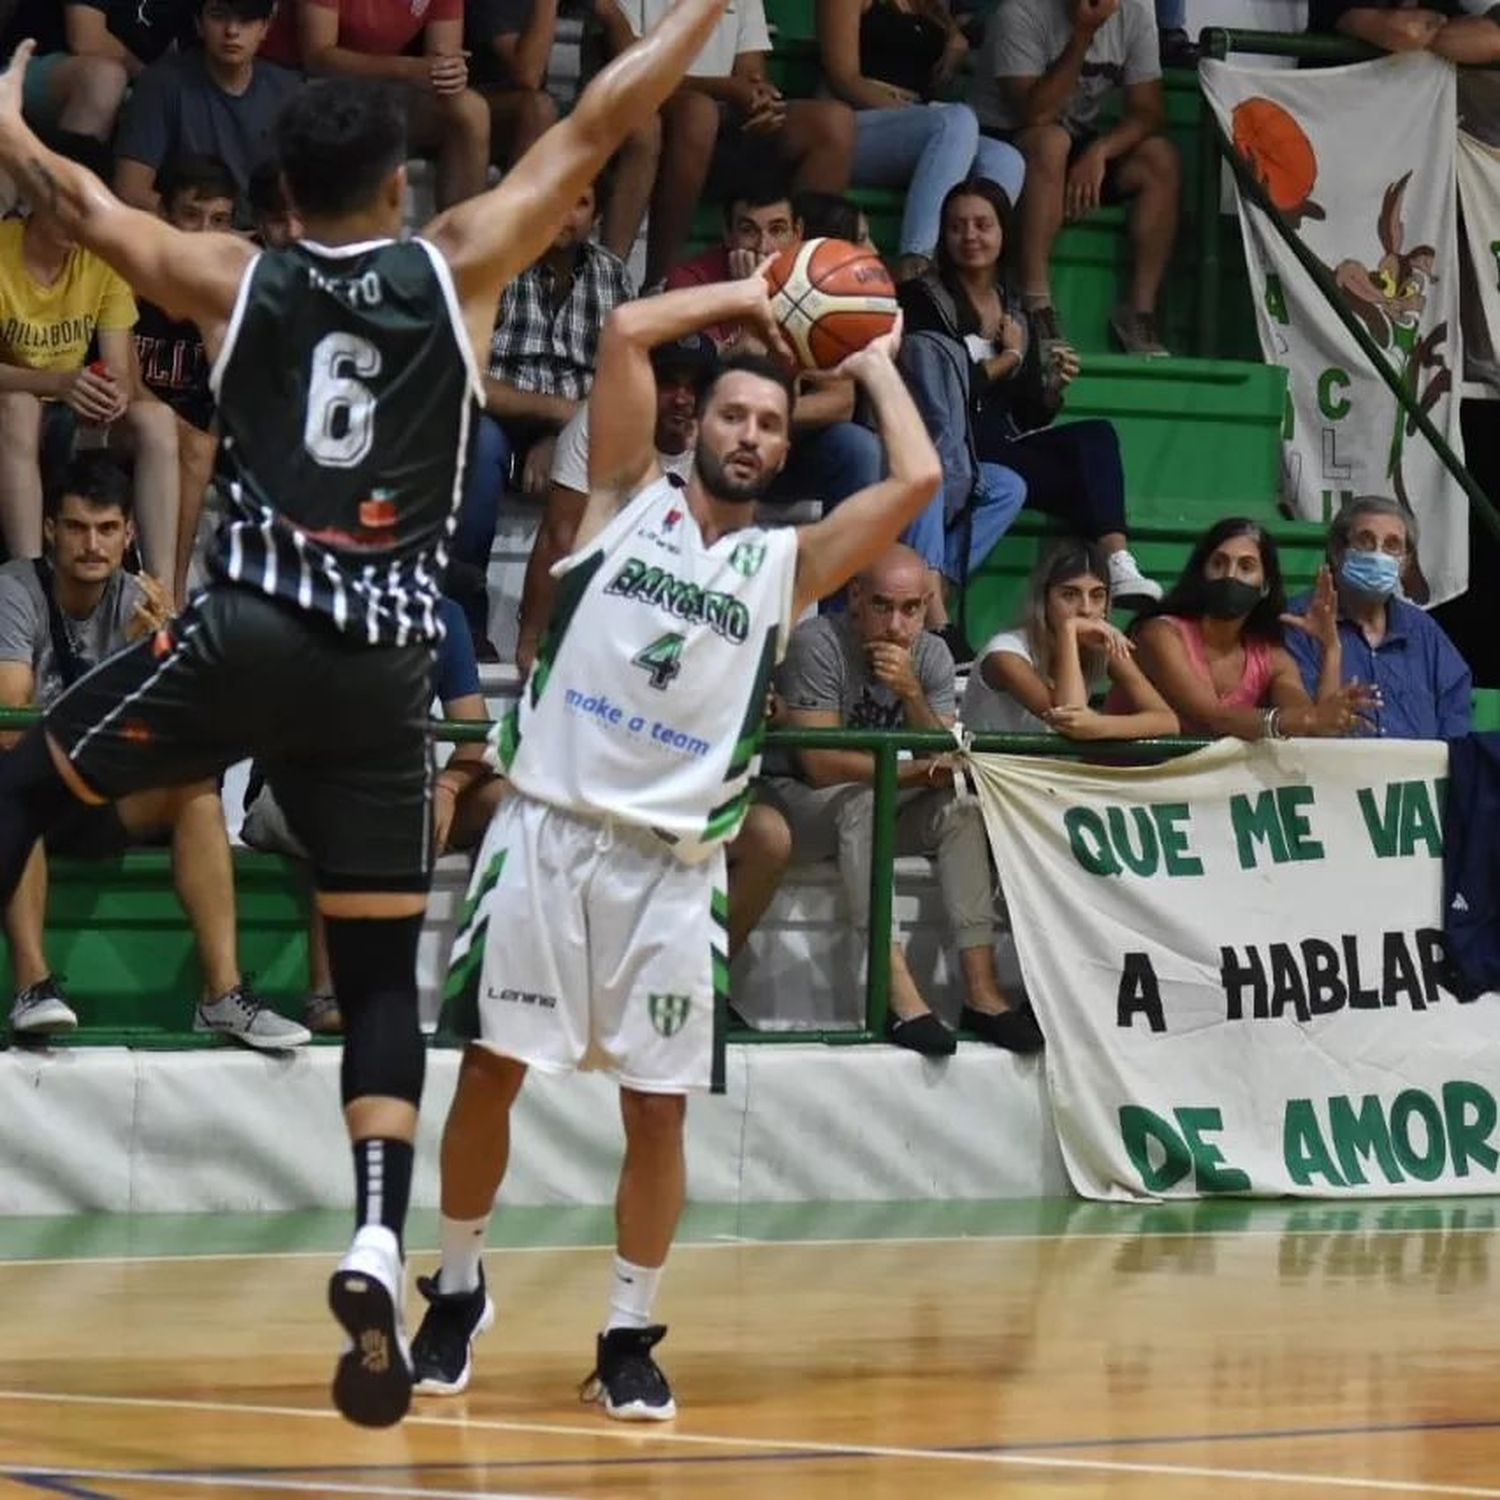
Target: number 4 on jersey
[662,659]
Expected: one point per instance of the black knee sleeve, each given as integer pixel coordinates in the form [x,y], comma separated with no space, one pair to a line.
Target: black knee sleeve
[374,963]
[32,798]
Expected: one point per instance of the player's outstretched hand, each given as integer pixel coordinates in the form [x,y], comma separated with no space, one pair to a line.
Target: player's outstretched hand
[11,82]
[760,317]
[879,351]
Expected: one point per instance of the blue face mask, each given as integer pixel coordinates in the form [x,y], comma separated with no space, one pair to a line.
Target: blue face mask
[1374,574]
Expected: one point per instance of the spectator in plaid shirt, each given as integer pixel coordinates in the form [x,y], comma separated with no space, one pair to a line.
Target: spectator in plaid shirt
[541,369]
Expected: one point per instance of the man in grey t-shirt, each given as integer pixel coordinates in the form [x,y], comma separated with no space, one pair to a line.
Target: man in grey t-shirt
[59,617]
[1045,73]
[875,667]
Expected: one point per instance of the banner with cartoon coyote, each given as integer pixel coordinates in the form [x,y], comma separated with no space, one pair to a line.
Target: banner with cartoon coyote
[1360,159]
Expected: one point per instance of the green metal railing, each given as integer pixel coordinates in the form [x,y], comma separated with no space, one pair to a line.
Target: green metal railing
[887,747]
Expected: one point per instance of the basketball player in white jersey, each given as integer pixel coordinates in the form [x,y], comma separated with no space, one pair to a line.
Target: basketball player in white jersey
[596,921]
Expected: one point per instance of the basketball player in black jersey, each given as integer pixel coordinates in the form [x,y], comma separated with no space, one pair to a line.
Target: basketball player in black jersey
[346,376]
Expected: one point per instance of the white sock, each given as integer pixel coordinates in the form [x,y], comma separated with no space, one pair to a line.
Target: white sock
[462,1242]
[631,1294]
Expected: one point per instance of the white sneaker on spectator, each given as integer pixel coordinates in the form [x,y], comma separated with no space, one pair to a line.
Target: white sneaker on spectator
[42,1009]
[1127,584]
[242,1016]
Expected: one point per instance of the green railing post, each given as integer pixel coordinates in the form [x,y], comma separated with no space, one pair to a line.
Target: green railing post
[882,879]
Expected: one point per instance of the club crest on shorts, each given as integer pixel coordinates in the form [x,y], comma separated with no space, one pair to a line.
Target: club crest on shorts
[747,558]
[669,1013]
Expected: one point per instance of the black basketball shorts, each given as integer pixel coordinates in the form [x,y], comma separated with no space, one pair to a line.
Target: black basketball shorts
[342,729]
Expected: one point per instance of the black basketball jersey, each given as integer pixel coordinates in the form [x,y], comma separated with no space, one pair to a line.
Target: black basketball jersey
[346,390]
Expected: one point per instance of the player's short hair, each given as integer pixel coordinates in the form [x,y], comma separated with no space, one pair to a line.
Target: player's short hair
[749,364]
[94,477]
[196,172]
[337,140]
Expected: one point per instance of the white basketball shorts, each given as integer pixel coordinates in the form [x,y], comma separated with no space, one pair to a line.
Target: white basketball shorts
[587,944]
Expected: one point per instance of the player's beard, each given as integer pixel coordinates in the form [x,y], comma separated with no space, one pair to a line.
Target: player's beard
[717,484]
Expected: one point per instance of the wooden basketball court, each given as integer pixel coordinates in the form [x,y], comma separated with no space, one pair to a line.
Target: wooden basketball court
[1059,1350]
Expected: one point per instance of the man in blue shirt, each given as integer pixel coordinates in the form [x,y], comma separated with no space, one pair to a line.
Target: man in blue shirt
[1425,685]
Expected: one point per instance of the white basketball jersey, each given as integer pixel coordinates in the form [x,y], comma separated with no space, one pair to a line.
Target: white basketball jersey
[647,701]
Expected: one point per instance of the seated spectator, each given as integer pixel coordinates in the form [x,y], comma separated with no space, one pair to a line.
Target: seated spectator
[1042,677]
[509,43]
[890,61]
[1463,31]
[57,299]
[832,216]
[1214,646]
[1017,383]
[1177,49]
[1401,651]
[541,367]
[129,32]
[446,119]
[198,196]
[1046,70]
[682,369]
[78,95]
[275,220]
[874,667]
[465,794]
[58,618]
[728,121]
[219,100]
[832,455]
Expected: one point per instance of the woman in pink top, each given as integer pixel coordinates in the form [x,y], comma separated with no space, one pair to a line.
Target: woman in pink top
[1213,646]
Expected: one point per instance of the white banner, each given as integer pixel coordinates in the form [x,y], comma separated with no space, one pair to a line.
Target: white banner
[1360,159]
[1238,962]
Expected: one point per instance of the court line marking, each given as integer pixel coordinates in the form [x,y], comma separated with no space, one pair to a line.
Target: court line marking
[730,1243]
[229,1476]
[790,1449]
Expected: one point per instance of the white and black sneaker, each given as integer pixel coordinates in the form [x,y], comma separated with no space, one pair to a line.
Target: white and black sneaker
[627,1382]
[443,1350]
[372,1381]
[442,1354]
[240,1015]
[42,1010]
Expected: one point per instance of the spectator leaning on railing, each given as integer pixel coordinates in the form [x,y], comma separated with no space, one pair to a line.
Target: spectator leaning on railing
[219,100]
[1214,646]
[1040,677]
[1425,686]
[60,616]
[1463,31]
[875,667]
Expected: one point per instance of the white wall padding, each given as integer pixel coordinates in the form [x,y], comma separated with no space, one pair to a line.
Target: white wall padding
[230,1131]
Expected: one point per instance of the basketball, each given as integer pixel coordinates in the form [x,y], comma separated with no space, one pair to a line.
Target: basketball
[830,299]
[1277,149]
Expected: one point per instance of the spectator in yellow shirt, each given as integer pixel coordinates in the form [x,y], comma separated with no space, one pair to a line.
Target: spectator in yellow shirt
[56,300]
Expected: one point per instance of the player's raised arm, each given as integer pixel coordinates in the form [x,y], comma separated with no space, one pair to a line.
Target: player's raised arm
[490,239]
[193,276]
[622,408]
[833,550]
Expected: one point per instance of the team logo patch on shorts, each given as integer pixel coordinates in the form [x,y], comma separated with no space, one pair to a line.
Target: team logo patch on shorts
[669,1013]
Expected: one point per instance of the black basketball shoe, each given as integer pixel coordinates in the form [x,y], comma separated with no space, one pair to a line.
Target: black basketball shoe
[442,1353]
[627,1382]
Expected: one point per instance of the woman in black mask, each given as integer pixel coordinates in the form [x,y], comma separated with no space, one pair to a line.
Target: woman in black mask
[1213,647]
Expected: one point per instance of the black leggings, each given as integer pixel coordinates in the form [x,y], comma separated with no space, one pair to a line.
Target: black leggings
[1072,471]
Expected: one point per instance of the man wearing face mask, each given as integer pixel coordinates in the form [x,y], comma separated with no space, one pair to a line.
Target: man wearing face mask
[1424,683]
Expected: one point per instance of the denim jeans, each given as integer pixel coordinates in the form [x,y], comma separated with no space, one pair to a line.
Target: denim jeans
[927,148]
[478,515]
[997,500]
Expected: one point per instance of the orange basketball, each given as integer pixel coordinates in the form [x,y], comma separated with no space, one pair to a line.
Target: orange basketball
[1277,150]
[830,298]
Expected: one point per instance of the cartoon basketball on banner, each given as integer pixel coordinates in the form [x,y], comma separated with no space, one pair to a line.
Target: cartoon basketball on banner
[1279,153]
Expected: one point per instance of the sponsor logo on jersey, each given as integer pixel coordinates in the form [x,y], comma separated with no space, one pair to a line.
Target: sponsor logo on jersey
[671,518]
[524,997]
[725,615]
[669,1013]
[600,709]
[747,558]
